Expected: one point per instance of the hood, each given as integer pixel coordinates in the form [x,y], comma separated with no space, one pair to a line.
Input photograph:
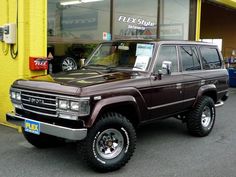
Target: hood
[84,78]
[71,83]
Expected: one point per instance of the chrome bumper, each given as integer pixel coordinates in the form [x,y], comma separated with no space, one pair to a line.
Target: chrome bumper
[50,129]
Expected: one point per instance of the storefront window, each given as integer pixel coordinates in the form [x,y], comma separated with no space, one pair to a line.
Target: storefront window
[74,29]
[75,21]
[135,19]
[174,19]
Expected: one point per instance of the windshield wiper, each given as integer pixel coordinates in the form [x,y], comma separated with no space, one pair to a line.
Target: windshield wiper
[126,69]
[105,67]
[113,68]
[96,65]
[100,67]
[136,67]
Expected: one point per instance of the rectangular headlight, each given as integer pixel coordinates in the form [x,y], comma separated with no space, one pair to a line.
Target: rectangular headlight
[15,95]
[79,107]
[63,104]
[18,96]
[74,105]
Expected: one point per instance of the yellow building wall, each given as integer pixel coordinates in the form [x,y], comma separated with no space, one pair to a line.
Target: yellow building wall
[32,41]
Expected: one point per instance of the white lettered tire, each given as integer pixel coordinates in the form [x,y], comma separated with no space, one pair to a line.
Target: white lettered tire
[110,143]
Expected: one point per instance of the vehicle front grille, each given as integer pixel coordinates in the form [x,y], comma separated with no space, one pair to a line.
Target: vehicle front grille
[39,103]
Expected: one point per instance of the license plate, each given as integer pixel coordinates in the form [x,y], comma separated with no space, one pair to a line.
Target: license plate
[32,127]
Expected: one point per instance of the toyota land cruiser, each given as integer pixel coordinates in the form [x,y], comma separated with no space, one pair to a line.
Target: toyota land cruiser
[122,85]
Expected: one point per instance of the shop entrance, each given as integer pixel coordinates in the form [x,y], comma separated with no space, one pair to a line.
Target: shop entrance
[218,22]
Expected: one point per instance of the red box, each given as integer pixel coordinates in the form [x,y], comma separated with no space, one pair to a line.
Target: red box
[38,64]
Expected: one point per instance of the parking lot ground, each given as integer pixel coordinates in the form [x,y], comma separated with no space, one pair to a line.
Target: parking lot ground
[164,149]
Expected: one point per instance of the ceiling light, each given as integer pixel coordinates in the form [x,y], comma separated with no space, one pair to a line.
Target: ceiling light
[67,3]
[86,1]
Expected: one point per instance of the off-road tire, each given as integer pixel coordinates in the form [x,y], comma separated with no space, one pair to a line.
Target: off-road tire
[115,125]
[201,119]
[43,140]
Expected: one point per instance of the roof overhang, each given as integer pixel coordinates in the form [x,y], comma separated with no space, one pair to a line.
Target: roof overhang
[227,3]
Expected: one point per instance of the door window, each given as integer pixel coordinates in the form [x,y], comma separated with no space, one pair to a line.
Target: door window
[167,53]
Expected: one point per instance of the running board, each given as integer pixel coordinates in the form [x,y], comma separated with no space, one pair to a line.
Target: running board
[219,104]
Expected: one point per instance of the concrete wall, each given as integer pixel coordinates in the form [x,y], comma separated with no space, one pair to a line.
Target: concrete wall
[32,41]
[219,22]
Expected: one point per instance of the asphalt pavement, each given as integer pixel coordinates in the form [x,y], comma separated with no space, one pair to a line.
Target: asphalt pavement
[164,149]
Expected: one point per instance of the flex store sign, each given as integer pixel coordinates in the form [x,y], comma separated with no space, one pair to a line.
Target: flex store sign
[135,23]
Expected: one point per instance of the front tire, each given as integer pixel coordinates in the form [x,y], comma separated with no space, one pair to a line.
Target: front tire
[110,143]
[201,119]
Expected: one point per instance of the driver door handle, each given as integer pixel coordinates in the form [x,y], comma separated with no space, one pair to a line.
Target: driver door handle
[179,86]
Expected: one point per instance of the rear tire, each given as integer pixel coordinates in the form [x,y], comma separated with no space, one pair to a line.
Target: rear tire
[43,140]
[110,143]
[201,119]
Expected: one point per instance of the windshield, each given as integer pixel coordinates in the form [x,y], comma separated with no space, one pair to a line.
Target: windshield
[124,55]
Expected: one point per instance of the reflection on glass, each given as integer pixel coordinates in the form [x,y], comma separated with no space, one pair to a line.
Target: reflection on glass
[125,55]
[174,19]
[74,29]
[78,21]
[135,19]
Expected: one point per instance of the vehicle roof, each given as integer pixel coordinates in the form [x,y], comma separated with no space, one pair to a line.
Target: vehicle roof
[183,42]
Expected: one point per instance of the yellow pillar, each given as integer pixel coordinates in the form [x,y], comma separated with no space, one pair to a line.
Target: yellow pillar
[198,20]
[32,41]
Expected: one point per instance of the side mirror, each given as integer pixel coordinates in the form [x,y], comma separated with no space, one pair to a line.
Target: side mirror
[166,67]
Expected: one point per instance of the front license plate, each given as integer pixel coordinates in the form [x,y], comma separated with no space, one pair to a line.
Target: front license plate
[32,127]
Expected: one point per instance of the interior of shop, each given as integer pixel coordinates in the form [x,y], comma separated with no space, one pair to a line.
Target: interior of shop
[76,27]
[218,22]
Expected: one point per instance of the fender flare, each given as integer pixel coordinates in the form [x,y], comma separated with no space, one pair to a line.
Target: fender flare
[203,89]
[110,101]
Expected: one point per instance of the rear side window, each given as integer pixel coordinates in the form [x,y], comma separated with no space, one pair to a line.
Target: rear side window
[210,58]
[190,59]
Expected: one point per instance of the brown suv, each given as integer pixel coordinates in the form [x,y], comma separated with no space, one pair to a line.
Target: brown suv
[122,85]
